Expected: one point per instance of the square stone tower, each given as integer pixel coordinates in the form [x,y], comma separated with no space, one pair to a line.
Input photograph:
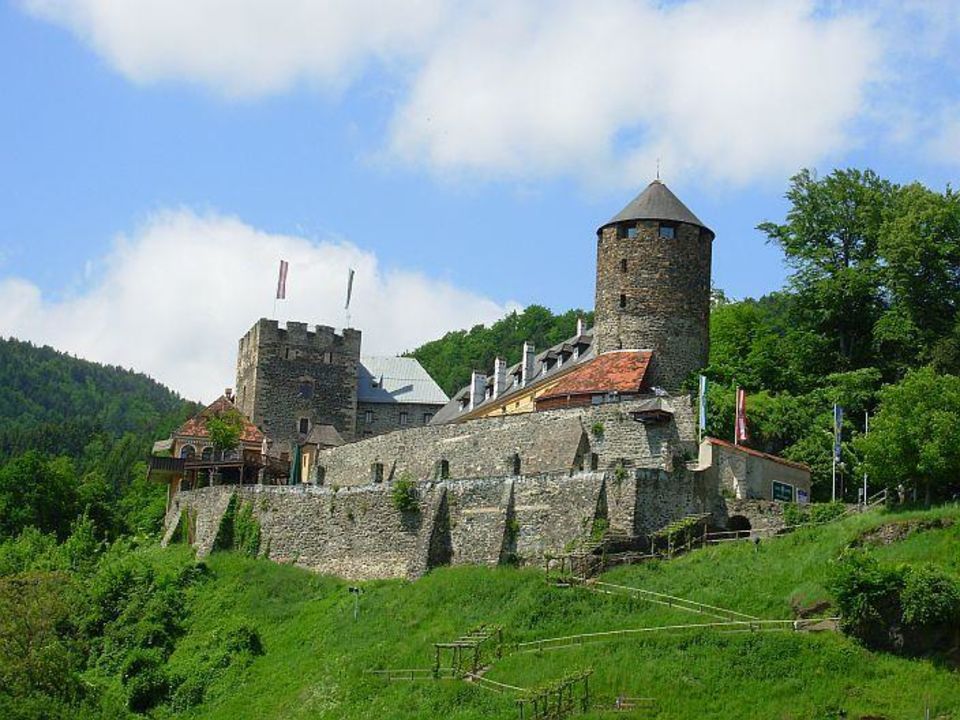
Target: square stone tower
[291,379]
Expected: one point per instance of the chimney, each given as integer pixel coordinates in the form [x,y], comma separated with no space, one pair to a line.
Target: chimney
[228,392]
[478,388]
[499,377]
[579,326]
[527,364]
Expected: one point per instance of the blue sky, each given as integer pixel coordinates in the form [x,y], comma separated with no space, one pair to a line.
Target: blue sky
[156,158]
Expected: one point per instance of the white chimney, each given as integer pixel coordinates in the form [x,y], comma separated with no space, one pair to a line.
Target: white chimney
[527,364]
[579,326]
[478,388]
[499,377]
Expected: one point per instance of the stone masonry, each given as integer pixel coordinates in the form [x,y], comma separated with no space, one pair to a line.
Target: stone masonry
[598,436]
[358,532]
[653,293]
[293,374]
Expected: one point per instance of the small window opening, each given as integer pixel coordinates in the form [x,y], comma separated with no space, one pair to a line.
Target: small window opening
[304,426]
[427,417]
[376,472]
[368,417]
[306,389]
[667,232]
[632,232]
[403,418]
[515,461]
[443,469]
[623,265]
[623,300]
[594,461]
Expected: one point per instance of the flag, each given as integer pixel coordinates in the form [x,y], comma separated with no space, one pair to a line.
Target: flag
[837,430]
[703,403]
[349,288]
[741,434]
[282,280]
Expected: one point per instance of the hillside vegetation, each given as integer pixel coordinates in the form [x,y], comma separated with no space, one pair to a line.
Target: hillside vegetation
[73,437]
[236,637]
[452,358]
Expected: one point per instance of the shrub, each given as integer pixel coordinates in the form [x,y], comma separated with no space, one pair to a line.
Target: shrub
[930,597]
[597,430]
[826,512]
[404,495]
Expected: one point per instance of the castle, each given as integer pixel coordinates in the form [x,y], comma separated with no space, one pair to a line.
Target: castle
[521,462]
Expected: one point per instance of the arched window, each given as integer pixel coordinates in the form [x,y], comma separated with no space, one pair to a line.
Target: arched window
[188,452]
[230,454]
[207,453]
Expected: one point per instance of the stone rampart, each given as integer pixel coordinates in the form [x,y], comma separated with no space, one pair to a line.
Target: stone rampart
[358,532]
[536,443]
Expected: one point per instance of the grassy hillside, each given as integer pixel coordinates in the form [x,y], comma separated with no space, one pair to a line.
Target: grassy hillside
[316,656]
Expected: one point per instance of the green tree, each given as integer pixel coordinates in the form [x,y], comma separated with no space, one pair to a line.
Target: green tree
[225,430]
[831,238]
[39,492]
[914,437]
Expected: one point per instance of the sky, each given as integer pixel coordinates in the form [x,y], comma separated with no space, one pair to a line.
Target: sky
[159,157]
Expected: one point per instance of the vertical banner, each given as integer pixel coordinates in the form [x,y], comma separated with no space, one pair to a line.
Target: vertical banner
[282,280]
[837,431]
[703,405]
[740,431]
[349,288]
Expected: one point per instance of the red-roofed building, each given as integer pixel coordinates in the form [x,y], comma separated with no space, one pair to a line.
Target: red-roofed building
[615,375]
[747,474]
[188,459]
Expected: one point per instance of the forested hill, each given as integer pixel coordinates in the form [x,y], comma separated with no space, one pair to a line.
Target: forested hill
[48,397]
[452,358]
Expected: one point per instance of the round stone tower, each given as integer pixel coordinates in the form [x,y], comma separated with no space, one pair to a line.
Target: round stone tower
[653,285]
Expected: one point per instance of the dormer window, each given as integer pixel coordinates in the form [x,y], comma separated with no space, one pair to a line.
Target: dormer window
[667,232]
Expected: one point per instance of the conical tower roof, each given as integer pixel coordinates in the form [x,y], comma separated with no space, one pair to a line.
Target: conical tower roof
[656,202]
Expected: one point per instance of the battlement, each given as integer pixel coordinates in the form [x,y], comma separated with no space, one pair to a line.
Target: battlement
[300,335]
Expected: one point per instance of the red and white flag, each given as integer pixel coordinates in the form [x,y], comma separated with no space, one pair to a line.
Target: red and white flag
[282,280]
[740,431]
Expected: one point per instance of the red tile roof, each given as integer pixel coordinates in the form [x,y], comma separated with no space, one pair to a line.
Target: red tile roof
[620,371]
[757,453]
[196,427]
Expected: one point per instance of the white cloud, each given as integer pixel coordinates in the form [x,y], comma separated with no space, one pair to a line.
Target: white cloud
[734,90]
[174,298]
[245,47]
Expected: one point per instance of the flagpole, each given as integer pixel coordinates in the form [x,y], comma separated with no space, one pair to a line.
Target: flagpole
[866,429]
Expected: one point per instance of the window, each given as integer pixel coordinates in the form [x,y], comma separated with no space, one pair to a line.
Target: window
[594,461]
[623,300]
[304,426]
[328,357]
[442,470]
[515,461]
[632,232]
[427,417]
[207,453]
[368,417]
[667,231]
[623,265]
[376,472]
[306,389]
[403,418]
[188,452]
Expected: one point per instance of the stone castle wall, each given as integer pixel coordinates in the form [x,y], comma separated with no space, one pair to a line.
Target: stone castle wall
[666,292]
[358,533]
[285,374]
[385,417]
[545,442]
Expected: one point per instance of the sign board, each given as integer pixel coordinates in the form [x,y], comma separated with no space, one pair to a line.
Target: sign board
[782,491]
[802,496]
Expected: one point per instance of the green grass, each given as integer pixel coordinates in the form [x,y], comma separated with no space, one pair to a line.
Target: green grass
[317,656]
